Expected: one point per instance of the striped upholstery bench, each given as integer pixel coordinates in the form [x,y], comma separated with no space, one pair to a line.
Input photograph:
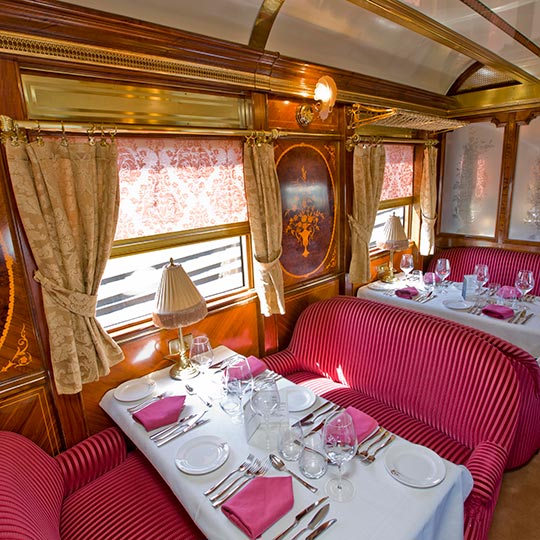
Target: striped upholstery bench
[433,383]
[96,490]
[503,264]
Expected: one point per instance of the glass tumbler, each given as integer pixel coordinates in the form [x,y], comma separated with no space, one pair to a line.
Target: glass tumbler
[313,462]
[291,441]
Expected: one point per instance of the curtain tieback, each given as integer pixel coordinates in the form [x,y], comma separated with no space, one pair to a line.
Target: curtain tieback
[362,232]
[269,265]
[429,221]
[76,302]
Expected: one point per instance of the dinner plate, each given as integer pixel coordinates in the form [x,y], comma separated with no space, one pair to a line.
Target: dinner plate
[381,286]
[458,304]
[414,465]
[202,455]
[298,398]
[135,389]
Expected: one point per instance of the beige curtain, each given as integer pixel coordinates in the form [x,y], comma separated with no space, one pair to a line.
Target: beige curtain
[368,176]
[68,197]
[265,220]
[428,201]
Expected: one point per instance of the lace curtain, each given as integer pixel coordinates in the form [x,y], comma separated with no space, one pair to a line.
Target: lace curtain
[368,177]
[428,201]
[265,220]
[68,198]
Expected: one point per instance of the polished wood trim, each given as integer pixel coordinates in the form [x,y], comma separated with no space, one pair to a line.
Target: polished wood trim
[263,23]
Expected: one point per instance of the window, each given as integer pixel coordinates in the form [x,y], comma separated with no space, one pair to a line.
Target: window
[179,198]
[397,191]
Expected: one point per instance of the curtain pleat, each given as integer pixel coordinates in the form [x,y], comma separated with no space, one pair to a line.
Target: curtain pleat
[265,220]
[68,200]
[368,177]
[428,201]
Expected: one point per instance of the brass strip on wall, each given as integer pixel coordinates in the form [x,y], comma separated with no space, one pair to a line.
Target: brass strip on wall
[264,22]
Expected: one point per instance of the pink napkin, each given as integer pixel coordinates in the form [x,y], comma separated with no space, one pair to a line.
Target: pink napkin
[260,504]
[407,292]
[499,312]
[160,413]
[507,291]
[257,366]
[363,423]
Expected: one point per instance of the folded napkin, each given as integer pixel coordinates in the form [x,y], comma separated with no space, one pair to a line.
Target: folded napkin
[260,504]
[160,413]
[407,292]
[499,312]
[257,367]
[363,423]
[507,291]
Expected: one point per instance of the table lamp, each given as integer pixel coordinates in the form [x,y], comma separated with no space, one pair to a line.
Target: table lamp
[394,239]
[178,303]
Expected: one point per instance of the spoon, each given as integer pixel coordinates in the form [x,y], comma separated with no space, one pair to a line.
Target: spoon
[315,520]
[279,464]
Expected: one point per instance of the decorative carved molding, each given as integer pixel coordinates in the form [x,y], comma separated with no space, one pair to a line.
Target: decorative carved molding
[22,357]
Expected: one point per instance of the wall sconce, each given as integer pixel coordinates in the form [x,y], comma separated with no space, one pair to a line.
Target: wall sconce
[325,98]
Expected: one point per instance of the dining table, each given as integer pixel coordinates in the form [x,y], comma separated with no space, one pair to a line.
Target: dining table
[447,302]
[383,507]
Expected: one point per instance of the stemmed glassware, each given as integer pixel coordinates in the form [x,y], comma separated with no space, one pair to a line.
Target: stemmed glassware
[340,444]
[407,264]
[481,273]
[442,270]
[264,401]
[524,282]
[201,353]
[237,384]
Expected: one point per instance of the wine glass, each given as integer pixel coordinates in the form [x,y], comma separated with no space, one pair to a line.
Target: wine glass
[481,273]
[340,443]
[238,380]
[524,283]
[442,270]
[407,264]
[201,353]
[264,401]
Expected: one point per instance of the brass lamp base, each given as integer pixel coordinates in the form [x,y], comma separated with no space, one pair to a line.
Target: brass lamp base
[183,369]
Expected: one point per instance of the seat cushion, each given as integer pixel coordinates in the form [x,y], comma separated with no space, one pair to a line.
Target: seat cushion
[127,503]
[31,490]
[391,419]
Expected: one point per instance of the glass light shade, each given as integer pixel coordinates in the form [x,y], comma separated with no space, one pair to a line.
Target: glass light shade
[393,237]
[326,93]
[178,302]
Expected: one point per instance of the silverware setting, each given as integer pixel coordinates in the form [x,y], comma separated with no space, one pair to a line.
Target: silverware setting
[182,430]
[315,411]
[248,475]
[191,391]
[299,517]
[241,468]
[163,432]
[279,465]
[313,420]
[320,529]
[314,521]
[371,457]
[385,438]
[136,408]
[526,318]
[516,318]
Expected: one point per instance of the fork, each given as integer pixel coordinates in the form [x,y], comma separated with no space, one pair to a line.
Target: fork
[364,454]
[371,457]
[142,405]
[311,421]
[247,472]
[261,471]
[191,391]
[241,468]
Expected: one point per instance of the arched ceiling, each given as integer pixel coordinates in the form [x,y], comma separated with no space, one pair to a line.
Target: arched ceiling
[438,46]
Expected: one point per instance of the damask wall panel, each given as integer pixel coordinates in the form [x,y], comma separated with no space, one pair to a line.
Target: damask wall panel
[306,173]
[525,209]
[472,174]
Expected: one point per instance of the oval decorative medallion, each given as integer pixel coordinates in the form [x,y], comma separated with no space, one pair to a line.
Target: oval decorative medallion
[307,195]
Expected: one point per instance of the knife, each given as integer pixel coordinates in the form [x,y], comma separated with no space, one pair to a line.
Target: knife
[314,521]
[190,419]
[168,429]
[524,320]
[181,432]
[312,413]
[299,516]
[320,529]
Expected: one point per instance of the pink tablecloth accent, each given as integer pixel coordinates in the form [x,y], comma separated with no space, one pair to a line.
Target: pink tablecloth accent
[498,312]
[407,292]
[363,423]
[160,413]
[260,504]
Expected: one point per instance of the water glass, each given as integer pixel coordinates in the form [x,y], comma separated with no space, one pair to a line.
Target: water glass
[201,353]
[313,462]
[442,271]
[407,264]
[291,441]
[524,282]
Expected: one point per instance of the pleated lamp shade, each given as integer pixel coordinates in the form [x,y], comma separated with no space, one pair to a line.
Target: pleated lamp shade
[178,302]
[393,237]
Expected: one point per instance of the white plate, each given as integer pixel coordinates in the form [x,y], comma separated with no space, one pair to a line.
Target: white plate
[414,465]
[202,455]
[458,304]
[381,286]
[135,389]
[298,398]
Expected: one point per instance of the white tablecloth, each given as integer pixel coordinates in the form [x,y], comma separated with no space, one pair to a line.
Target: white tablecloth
[526,336]
[382,508]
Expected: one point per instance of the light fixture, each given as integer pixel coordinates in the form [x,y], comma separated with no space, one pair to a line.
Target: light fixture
[178,303]
[394,239]
[325,98]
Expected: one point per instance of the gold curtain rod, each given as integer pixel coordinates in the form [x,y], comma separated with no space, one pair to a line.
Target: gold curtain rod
[356,139]
[9,125]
